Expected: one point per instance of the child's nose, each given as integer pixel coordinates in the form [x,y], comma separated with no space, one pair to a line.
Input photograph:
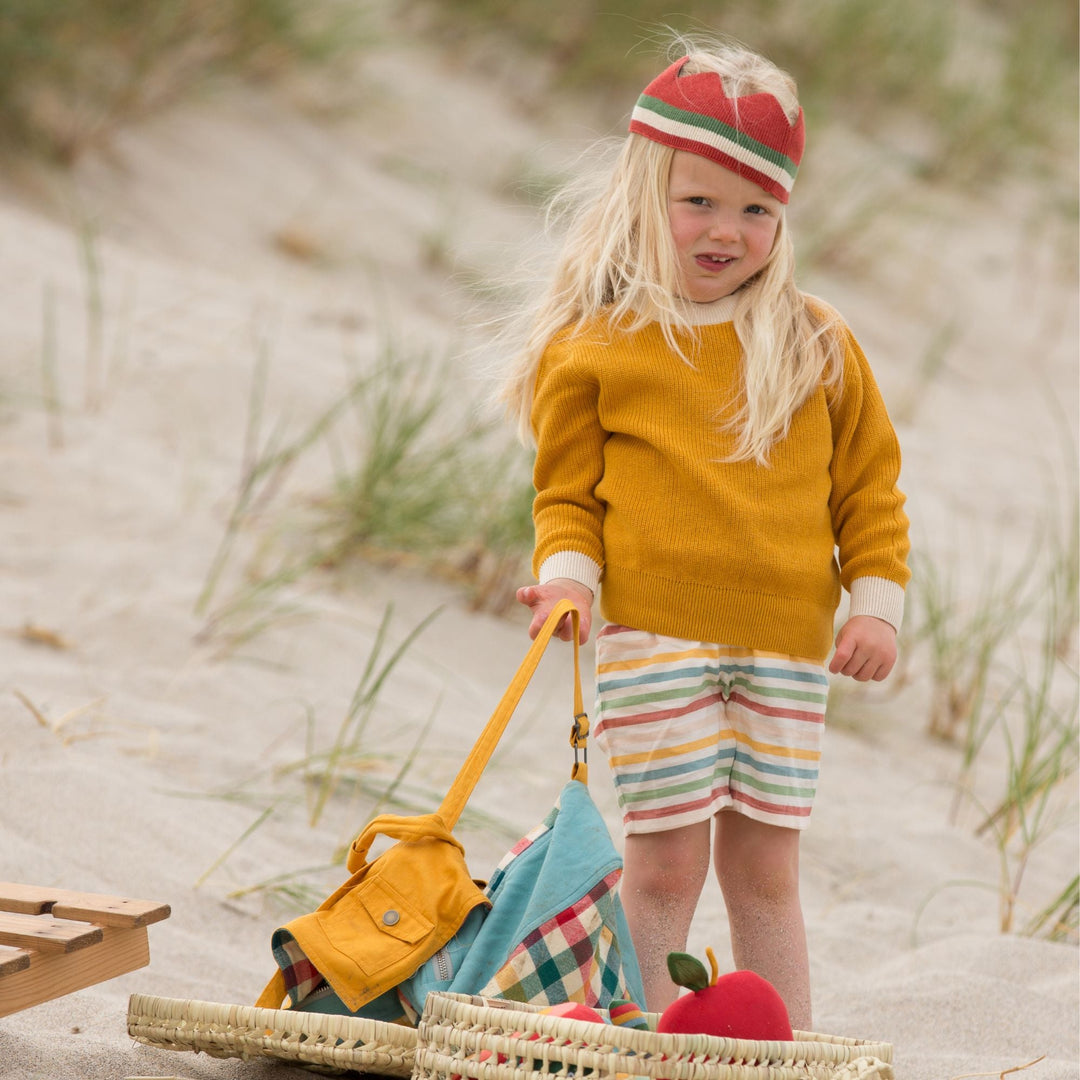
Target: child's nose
[724,227]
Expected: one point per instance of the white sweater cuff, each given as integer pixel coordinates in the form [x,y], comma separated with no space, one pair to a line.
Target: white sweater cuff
[879,597]
[572,565]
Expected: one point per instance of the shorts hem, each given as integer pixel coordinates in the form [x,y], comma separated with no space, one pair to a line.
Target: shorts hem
[639,826]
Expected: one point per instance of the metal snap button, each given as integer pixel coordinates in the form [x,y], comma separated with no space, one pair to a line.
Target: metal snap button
[391,918]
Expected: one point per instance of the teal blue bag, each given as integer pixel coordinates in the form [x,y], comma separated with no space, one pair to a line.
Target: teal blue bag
[556,930]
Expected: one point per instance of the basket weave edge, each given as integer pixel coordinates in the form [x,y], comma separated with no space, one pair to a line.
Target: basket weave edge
[459,1008]
[225,1030]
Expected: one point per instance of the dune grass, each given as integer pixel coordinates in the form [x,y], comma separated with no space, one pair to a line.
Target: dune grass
[92,274]
[414,478]
[418,476]
[963,639]
[425,485]
[342,782]
[1012,710]
[1004,689]
[72,72]
[401,481]
[1060,919]
[323,769]
[1062,533]
[267,461]
[51,393]
[992,83]
[326,769]
[1041,757]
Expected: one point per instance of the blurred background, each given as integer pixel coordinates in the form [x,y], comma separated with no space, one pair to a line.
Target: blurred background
[288,232]
[989,84]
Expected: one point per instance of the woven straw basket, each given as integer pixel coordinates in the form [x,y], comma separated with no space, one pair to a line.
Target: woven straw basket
[329,1043]
[470,1037]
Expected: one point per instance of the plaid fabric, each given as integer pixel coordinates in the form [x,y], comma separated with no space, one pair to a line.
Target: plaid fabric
[302,977]
[572,957]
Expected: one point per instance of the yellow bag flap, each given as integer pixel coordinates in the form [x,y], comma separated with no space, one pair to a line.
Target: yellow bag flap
[398,912]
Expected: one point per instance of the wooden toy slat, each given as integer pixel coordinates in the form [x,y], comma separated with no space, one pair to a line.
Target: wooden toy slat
[84,907]
[45,934]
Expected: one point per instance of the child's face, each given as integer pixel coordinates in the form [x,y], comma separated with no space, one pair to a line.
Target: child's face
[723,226]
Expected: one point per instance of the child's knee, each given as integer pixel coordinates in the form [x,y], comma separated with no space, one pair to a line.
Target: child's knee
[757,864]
[675,862]
[766,883]
[676,881]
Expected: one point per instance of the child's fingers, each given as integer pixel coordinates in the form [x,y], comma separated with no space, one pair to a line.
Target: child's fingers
[862,670]
[845,650]
[884,667]
[540,615]
[541,600]
[865,650]
[565,630]
[863,666]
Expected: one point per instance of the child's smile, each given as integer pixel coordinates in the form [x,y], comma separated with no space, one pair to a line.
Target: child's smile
[723,226]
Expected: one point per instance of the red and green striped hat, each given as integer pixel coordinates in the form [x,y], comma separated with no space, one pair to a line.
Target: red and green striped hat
[749,135]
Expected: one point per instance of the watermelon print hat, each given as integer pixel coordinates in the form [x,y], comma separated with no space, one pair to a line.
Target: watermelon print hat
[749,135]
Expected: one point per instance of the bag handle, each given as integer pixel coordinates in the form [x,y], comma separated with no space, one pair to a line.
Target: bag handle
[398,827]
[484,747]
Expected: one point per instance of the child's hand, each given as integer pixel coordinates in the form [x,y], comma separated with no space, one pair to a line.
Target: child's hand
[865,649]
[542,598]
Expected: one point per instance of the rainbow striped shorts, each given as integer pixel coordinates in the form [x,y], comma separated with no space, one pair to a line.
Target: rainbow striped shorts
[691,728]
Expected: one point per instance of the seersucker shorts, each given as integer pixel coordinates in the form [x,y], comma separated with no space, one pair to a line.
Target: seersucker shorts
[691,728]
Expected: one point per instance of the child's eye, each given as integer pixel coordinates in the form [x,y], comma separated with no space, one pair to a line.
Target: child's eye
[756,209]
[698,200]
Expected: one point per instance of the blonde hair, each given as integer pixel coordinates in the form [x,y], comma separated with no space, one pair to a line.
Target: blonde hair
[618,260]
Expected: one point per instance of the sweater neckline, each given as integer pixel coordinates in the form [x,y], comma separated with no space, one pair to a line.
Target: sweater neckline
[717,311]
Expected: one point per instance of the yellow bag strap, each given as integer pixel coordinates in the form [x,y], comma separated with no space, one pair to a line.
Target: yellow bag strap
[484,747]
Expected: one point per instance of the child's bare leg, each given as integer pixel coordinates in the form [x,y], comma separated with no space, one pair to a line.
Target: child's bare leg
[662,879]
[758,869]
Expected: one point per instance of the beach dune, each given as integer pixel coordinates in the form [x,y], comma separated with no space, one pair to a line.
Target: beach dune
[143,753]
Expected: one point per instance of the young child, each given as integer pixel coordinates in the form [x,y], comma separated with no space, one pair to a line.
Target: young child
[711,445]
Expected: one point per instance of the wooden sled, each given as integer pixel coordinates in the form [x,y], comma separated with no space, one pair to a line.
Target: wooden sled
[54,942]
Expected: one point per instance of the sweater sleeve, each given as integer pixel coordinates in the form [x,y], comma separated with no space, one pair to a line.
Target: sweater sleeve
[567,515]
[866,503]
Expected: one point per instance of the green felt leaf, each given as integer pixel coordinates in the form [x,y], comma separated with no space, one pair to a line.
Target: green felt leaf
[686,970]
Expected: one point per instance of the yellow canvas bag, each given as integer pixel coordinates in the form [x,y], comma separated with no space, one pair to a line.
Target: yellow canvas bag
[399,909]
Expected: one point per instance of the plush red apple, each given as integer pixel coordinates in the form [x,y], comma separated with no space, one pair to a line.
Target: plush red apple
[740,1005]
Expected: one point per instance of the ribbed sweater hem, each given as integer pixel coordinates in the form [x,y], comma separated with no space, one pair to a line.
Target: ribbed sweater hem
[797,626]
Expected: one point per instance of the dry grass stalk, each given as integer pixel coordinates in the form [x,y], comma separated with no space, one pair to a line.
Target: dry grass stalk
[33,634]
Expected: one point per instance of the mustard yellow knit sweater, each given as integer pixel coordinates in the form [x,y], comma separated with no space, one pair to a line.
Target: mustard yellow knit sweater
[632,489]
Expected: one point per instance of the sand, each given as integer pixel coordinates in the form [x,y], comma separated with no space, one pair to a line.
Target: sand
[138,754]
